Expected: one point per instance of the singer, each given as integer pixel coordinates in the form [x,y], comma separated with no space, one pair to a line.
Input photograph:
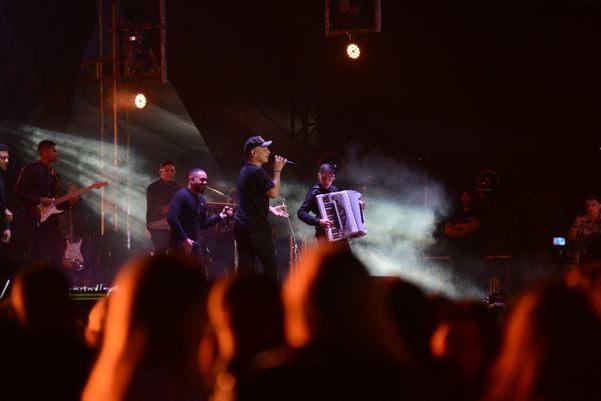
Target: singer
[252,231]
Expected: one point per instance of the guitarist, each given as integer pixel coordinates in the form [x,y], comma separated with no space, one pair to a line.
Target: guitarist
[39,184]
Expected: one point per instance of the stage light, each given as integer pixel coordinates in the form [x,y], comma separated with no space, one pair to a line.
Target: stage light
[140,100]
[353,51]
[129,99]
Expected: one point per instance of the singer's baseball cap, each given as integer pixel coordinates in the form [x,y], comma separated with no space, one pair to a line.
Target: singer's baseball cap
[255,141]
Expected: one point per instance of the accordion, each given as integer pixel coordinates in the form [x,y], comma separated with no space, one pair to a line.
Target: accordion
[343,209]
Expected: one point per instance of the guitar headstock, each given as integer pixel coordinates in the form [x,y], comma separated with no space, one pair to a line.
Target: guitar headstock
[100,184]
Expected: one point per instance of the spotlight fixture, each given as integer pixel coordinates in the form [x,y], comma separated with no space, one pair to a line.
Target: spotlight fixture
[353,51]
[140,100]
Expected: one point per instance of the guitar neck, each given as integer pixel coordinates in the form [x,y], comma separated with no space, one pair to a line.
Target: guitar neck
[65,198]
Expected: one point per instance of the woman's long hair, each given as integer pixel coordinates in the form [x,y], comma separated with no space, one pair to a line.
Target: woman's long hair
[155,320]
[332,299]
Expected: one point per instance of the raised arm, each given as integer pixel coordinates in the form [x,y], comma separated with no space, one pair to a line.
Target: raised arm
[278,165]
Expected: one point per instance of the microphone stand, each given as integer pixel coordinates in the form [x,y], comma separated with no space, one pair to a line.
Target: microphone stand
[295,250]
[227,226]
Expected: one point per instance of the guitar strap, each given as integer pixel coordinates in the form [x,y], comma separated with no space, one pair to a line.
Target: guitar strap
[56,184]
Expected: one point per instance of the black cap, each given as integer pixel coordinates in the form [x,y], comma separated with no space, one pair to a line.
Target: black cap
[255,141]
[327,168]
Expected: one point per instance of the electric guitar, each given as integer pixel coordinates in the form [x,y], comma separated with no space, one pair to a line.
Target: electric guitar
[73,259]
[44,212]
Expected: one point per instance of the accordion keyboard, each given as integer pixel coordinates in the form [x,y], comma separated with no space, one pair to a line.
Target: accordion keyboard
[343,209]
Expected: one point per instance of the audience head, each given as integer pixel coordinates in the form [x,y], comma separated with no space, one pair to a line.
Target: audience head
[551,349]
[40,300]
[94,331]
[587,278]
[331,299]
[466,339]
[412,314]
[155,320]
[246,312]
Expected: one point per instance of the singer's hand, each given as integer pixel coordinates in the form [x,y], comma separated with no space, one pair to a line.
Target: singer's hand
[6,236]
[8,216]
[188,245]
[279,210]
[279,162]
[226,212]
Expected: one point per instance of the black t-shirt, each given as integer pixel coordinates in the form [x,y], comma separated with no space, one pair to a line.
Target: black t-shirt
[253,203]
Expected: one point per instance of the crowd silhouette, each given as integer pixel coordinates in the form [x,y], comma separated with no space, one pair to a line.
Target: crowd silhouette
[329,332]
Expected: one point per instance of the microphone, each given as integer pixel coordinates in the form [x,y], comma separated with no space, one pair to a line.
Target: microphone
[288,162]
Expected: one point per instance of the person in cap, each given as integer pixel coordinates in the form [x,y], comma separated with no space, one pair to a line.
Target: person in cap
[254,241]
[158,196]
[308,212]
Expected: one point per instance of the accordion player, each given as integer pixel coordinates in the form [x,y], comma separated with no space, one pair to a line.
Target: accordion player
[344,210]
